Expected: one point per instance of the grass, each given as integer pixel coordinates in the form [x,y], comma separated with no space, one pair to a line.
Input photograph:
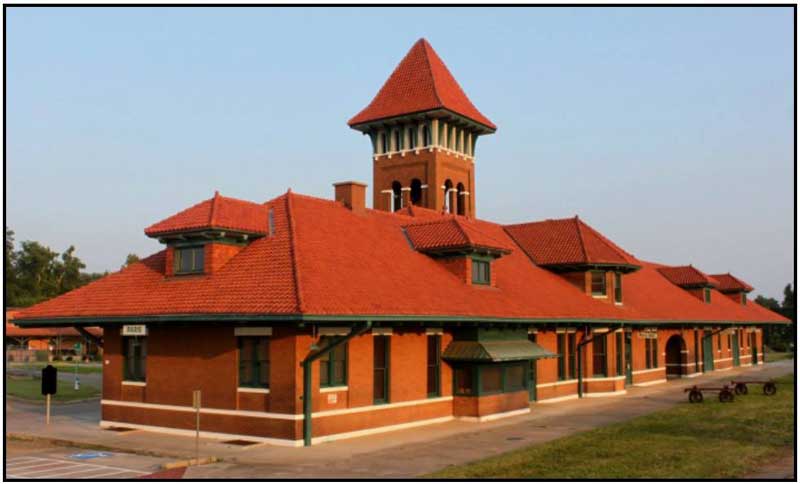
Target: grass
[63,366]
[31,389]
[708,440]
[775,356]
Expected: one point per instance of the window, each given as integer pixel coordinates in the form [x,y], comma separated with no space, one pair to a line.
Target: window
[333,365]
[598,283]
[719,342]
[492,379]
[599,363]
[412,138]
[744,299]
[706,294]
[434,365]
[426,136]
[189,260]
[730,342]
[134,350]
[617,287]
[463,380]
[397,196]
[384,143]
[651,353]
[380,358]
[561,344]
[398,140]
[572,355]
[416,191]
[514,378]
[618,349]
[448,188]
[480,272]
[460,202]
[254,362]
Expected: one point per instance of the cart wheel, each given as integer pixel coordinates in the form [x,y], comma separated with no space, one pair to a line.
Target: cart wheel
[770,389]
[695,396]
[725,396]
[740,389]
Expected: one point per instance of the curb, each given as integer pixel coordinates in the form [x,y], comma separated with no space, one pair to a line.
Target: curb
[190,462]
[85,445]
[14,398]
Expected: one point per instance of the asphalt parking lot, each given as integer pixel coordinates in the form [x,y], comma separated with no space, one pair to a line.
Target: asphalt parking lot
[36,460]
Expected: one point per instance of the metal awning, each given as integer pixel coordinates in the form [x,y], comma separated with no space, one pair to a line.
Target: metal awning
[495,351]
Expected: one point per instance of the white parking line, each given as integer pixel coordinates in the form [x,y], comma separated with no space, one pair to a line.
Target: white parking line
[45,468]
[16,460]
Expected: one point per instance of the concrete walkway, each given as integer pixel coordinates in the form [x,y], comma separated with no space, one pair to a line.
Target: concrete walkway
[403,453]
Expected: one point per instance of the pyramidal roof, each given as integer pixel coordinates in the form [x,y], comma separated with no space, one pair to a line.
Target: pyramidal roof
[730,283]
[215,213]
[687,276]
[451,233]
[567,242]
[421,82]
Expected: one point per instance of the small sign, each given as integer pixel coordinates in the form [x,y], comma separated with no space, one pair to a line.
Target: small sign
[648,334]
[89,455]
[49,380]
[332,398]
[134,330]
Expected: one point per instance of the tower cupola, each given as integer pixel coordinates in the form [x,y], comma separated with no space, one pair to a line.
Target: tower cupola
[423,130]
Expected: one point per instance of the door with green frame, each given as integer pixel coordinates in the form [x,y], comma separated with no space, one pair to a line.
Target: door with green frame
[735,349]
[708,352]
[754,348]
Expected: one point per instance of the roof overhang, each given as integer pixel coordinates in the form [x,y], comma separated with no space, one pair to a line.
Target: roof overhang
[494,351]
[206,234]
[415,117]
[586,266]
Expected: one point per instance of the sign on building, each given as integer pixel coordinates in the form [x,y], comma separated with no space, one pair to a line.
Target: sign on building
[134,330]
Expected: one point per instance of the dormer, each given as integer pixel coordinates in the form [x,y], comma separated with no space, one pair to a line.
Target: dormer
[579,254]
[694,281]
[733,287]
[202,238]
[460,246]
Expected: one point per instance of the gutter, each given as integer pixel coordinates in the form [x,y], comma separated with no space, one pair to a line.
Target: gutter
[306,364]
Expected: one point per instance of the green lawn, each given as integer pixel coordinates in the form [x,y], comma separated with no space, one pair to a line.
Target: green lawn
[31,389]
[709,440]
[63,366]
[775,356]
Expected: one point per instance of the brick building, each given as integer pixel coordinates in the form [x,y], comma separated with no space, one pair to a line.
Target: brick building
[304,320]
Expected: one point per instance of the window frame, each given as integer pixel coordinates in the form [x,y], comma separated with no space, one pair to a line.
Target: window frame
[561,349]
[651,353]
[603,280]
[256,366]
[618,287]
[573,358]
[600,340]
[328,359]
[129,374]
[386,368]
[707,295]
[479,262]
[178,255]
[476,377]
[619,347]
[436,366]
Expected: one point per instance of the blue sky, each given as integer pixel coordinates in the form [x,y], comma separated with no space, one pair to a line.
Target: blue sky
[667,129]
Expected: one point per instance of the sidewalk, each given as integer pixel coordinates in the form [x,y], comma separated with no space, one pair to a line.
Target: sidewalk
[402,453]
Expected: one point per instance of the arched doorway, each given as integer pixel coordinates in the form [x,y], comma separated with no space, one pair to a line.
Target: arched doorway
[397,197]
[460,194]
[676,357]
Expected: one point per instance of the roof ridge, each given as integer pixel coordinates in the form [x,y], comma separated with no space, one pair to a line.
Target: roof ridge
[580,239]
[608,242]
[213,214]
[293,250]
[471,225]
[463,232]
[426,47]
[519,244]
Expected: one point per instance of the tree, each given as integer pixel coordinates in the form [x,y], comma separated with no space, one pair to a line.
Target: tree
[131,259]
[9,261]
[779,337]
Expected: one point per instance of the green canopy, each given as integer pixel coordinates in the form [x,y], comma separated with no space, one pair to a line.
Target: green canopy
[495,351]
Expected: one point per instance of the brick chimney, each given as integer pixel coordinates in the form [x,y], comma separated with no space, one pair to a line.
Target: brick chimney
[352,194]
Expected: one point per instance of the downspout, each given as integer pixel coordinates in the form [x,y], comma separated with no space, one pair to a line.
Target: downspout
[306,364]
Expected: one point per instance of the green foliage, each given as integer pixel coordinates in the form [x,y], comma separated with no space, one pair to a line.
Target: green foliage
[131,259]
[35,273]
[711,440]
[781,337]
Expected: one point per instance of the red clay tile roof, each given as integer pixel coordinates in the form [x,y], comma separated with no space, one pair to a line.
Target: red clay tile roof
[421,82]
[17,332]
[325,260]
[687,276]
[215,213]
[450,233]
[567,242]
[729,283]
